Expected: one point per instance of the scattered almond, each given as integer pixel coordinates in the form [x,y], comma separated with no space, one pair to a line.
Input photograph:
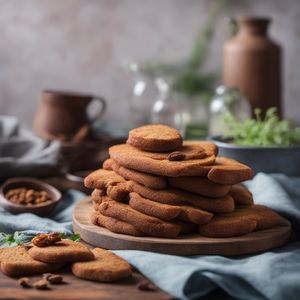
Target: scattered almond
[41,284]
[53,278]
[24,282]
[146,285]
[46,239]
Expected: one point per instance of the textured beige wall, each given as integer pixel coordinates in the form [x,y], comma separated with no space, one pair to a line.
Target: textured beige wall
[80,44]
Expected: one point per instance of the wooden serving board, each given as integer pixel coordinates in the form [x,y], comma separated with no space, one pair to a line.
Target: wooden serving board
[192,244]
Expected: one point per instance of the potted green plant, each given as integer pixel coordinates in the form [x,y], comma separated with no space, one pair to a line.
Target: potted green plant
[267,144]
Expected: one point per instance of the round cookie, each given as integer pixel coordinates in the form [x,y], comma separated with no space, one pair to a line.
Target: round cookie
[155,138]
[62,252]
[194,163]
[241,195]
[106,267]
[199,185]
[17,262]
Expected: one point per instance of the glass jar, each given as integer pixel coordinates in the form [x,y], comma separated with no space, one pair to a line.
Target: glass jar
[226,100]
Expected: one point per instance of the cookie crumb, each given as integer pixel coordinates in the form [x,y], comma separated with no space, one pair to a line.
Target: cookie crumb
[146,285]
[24,282]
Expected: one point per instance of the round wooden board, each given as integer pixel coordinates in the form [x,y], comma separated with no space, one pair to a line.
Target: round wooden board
[184,245]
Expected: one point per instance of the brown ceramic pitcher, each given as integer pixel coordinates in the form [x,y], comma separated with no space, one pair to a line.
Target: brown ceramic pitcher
[252,62]
[64,115]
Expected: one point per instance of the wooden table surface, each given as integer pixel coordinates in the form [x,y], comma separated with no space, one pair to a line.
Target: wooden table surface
[75,288]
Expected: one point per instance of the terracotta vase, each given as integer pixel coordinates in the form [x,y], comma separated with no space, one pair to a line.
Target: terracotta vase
[252,62]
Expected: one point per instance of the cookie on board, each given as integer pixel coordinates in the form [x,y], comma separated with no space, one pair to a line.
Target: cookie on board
[199,185]
[115,225]
[150,225]
[241,195]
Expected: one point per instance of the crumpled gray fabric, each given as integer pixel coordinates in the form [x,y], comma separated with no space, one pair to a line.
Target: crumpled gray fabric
[24,154]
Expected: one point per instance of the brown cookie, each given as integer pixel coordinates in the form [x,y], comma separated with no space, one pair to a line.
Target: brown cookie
[186,227]
[106,267]
[155,138]
[169,212]
[241,195]
[199,185]
[264,216]
[98,195]
[150,225]
[149,180]
[178,197]
[194,215]
[17,262]
[228,225]
[152,208]
[107,164]
[241,221]
[101,178]
[115,225]
[229,171]
[159,163]
[62,252]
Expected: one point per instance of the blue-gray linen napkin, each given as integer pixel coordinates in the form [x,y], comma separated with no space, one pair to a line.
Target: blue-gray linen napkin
[274,274]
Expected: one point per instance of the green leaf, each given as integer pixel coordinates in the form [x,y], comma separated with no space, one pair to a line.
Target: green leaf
[75,237]
[270,131]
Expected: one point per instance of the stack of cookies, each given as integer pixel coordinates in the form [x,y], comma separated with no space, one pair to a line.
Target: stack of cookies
[159,185]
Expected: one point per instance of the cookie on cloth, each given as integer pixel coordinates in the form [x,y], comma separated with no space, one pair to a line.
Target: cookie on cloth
[64,251]
[168,212]
[241,195]
[189,160]
[106,267]
[155,138]
[199,185]
[228,171]
[147,224]
[149,180]
[101,178]
[17,262]
[115,225]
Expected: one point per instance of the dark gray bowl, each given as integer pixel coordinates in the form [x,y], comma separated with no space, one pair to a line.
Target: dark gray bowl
[284,160]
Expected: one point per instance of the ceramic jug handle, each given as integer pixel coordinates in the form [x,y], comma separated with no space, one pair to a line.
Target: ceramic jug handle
[102,108]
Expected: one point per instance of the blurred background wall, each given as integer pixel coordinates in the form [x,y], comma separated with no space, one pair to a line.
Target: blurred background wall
[81,44]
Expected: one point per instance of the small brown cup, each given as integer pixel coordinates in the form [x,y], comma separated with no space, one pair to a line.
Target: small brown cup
[64,115]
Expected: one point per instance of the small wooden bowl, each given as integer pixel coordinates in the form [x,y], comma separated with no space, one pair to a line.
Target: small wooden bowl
[31,183]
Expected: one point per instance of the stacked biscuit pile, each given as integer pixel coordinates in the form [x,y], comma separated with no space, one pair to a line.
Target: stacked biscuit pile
[158,185]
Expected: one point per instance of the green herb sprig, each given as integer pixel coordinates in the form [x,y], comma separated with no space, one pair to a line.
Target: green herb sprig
[269,131]
[19,238]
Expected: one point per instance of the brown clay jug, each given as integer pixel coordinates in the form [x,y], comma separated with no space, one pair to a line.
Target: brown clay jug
[252,62]
[64,116]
